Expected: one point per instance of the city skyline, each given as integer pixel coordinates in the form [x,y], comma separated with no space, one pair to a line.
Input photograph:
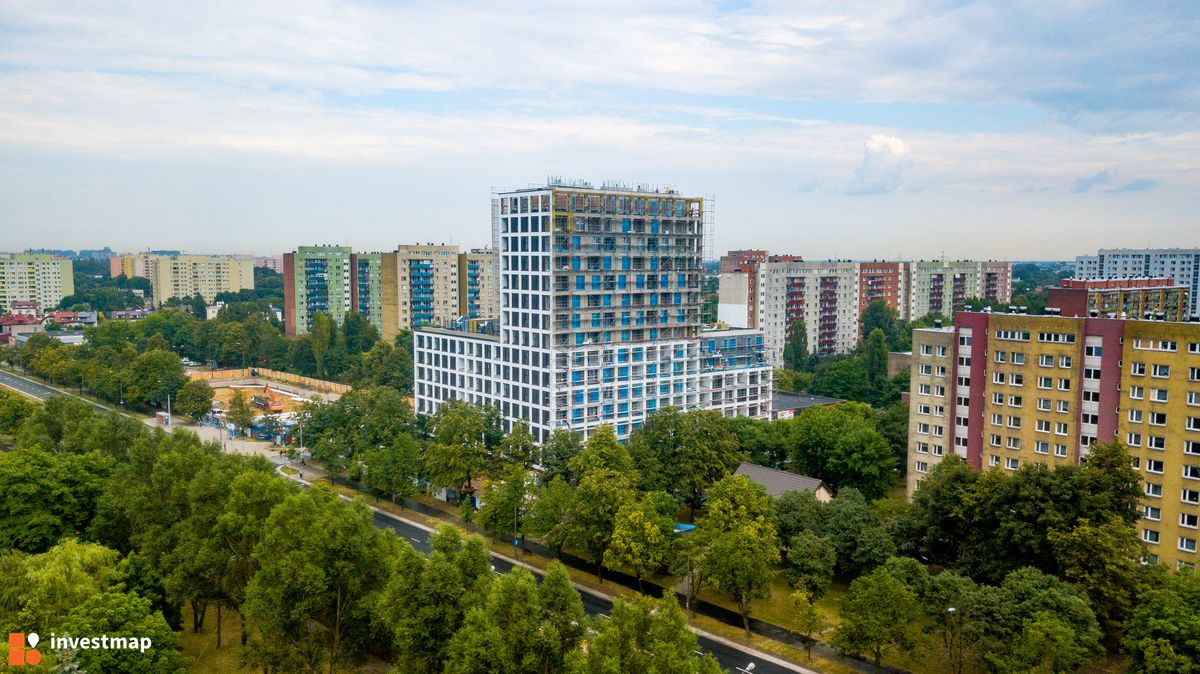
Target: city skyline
[912,132]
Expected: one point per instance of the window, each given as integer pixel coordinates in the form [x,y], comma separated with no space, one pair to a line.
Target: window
[1015,401]
[922,467]
[997,419]
[1135,416]
[1137,392]
[923,409]
[1135,463]
[962,401]
[1016,379]
[964,340]
[1137,369]
[1187,544]
[1191,472]
[994,440]
[1064,361]
[1193,423]
[1158,395]
[1093,351]
[1064,406]
[940,391]
[1064,384]
[937,450]
[1156,442]
[923,389]
[939,371]
[1041,447]
[1154,466]
[1011,463]
[993,460]
[1046,360]
[1086,440]
[1189,520]
[1043,426]
[1091,373]
[1155,345]
[1152,490]
[1134,439]
[1045,383]
[926,369]
[939,431]
[1056,337]
[1014,443]
[1158,419]
[1018,358]
[1161,371]
[1043,404]
[1060,451]
[1001,357]
[1060,428]
[1014,422]
[941,351]
[923,428]
[922,447]
[997,377]
[998,398]
[1090,397]
[926,350]
[1191,447]
[965,381]
[1194,374]
[1190,496]
[1193,398]
[1151,513]
[1012,335]
[1193,347]
[1150,536]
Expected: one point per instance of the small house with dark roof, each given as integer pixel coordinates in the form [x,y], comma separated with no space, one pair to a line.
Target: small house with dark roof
[785,405]
[779,482]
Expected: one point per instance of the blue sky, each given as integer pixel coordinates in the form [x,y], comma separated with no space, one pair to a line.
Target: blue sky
[839,129]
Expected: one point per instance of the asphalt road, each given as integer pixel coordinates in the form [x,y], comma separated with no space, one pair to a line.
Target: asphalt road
[729,656]
[33,388]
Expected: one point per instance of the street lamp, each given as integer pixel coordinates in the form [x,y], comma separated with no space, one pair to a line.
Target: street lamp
[955,639]
[747,669]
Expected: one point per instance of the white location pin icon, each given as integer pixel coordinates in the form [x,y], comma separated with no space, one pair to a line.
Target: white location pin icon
[33,639]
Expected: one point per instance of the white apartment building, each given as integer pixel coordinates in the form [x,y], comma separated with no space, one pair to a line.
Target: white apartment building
[35,277]
[822,294]
[599,318]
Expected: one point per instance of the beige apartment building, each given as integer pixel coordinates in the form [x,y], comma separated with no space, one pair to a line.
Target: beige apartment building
[28,277]
[187,275]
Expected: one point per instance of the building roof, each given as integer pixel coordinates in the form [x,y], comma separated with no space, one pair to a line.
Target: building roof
[19,319]
[779,482]
[783,400]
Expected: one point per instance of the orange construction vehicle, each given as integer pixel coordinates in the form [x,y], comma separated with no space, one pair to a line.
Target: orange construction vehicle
[267,401]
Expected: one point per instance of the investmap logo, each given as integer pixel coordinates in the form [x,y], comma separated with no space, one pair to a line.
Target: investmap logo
[19,654]
[22,648]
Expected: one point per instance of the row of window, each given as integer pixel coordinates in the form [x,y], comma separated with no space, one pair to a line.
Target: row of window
[1185,544]
[1186,520]
[1155,490]
[1157,466]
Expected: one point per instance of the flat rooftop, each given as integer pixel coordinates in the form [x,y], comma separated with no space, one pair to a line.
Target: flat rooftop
[783,400]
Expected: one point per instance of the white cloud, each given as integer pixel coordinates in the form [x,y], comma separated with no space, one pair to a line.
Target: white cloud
[884,162]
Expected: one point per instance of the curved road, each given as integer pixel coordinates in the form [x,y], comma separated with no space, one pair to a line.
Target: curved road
[732,656]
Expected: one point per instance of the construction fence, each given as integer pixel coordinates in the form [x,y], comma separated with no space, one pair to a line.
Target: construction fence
[309,383]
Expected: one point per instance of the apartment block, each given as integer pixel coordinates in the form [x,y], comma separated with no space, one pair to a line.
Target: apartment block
[373,284]
[1180,264]
[32,277]
[772,292]
[478,284]
[428,278]
[316,279]
[1043,389]
[1157,298]
[186,275]
[599,318]
[272,262]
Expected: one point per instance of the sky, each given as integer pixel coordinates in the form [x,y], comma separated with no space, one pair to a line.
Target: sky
[867,130]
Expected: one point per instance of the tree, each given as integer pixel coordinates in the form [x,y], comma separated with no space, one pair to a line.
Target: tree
[321,333]
[321,561]
[684,452]
[741,564]
[557,452]
[240,414]
[457,454]
[13,411]
[799,511]
[877,614]
[392,469]
[875,352]
[588,525]
[1049,645]
[518,447]
[878,316]
[153,376]
[809,621]
[641,537]
[795,349]
[504,503]
[761,441]
[1026,596]
[51,584]
[861,541]
[811,559]
[1101,561]
[194,399]
[736,500]
[841,446]
[123,614]
[602,450]
[644,635]
[554,499]
[1164,626]
[957,609]
[47,497]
